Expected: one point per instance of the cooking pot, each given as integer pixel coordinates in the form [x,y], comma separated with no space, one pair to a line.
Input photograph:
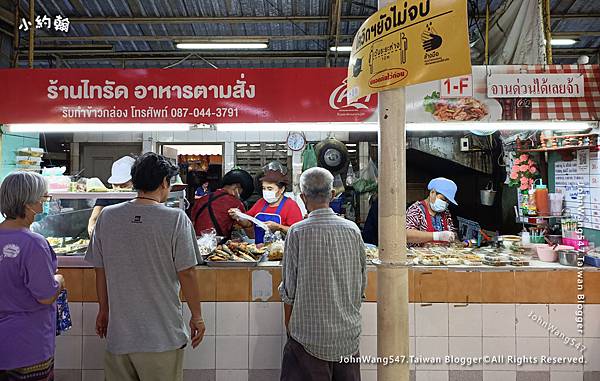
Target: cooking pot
[488,195]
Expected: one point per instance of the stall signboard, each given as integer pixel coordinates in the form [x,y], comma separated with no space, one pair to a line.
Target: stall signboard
[466,98]
[409,42]
[545,85]
[193,96]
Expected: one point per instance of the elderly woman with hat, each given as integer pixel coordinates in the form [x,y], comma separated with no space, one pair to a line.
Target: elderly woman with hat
[429,221]
[276,210]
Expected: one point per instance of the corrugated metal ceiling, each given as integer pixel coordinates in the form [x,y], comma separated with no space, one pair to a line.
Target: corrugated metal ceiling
[303,49]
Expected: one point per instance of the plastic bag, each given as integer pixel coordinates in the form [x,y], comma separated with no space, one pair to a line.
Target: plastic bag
[338,185]
[207,242]
[309,158]
[367,181]
[350,176]
[95,185]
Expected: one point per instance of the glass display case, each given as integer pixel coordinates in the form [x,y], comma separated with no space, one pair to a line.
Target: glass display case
[65,219]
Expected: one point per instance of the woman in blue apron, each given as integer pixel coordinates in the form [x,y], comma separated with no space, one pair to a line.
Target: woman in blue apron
[277,211]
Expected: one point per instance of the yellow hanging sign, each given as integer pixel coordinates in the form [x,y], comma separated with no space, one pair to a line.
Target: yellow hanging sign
[409,42]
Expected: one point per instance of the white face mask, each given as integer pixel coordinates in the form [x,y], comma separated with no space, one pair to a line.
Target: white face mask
[270,196]
[439,205]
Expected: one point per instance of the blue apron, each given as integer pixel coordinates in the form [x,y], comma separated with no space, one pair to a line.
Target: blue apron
[259,233]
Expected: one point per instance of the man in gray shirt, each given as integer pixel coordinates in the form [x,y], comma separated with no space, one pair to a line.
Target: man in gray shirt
[143,253]
[324,279]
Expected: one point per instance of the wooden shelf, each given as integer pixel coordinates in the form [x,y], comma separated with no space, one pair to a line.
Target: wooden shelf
[558,149]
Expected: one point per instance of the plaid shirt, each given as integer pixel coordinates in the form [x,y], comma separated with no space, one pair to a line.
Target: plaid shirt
[416,220]
[324,277]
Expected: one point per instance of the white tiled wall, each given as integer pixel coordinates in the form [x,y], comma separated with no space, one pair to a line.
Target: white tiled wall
[247,338]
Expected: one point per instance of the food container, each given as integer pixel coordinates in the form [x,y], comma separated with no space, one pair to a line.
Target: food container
[556,204]
[30,151]
[488,195]
[547,254]
[509,240]
[569,257]
[592,261]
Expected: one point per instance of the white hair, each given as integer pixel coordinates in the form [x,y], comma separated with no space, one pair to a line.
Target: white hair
[316,184]
[19,189]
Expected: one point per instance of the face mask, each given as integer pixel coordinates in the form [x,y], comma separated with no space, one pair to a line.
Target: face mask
[439,205]
[270,196]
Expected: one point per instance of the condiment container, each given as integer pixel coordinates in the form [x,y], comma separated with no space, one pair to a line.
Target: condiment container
[541,199]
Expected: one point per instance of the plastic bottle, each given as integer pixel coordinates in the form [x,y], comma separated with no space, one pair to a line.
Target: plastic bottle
[525,238]
[531,206]
[541,199]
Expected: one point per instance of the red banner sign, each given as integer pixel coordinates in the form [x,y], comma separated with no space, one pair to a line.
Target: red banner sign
[179,96]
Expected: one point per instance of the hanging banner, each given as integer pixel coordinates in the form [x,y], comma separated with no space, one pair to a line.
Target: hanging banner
[180,96]
[466,99]
[409,42]
[535,85]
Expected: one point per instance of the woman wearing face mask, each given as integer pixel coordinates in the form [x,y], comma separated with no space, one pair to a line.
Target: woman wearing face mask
[277,211]
[29,282]
[429,221]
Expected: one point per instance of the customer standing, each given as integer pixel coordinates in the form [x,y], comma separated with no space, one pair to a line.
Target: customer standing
[28,283]
[144,252]
[324,279]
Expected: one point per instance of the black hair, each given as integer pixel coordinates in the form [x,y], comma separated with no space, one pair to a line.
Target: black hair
[150,170]
[282,185]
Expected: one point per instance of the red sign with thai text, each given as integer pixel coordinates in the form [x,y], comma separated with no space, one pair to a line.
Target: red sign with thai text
[179,96]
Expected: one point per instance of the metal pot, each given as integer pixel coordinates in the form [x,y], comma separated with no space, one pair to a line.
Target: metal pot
[488,195]
[568,257]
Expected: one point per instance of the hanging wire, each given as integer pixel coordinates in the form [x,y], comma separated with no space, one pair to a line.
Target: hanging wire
[188,57]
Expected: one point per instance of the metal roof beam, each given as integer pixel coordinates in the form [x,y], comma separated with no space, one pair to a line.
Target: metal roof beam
[187,38]
[191,20]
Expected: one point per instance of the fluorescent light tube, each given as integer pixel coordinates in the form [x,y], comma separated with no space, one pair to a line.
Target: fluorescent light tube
[563,42]
[341,49]
[498,126]
[221,45]
[98,127]
[305,127]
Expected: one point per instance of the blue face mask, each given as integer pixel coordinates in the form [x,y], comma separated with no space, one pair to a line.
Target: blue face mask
[439,205]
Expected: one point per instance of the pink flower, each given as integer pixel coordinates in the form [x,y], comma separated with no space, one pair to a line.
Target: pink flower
[524,168]
[523,157]
[523,187]
[533,169]
[517,162]
[514,175]
[530,162]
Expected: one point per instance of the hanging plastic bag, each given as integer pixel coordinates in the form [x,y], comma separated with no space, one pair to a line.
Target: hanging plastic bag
[367,181]
[207,242]
[309,158]
[350,176]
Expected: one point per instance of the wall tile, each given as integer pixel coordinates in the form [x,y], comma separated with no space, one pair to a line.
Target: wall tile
[432,347]
[563,294]
[499,375]
[208,285]
[526,325]
[68,352]
[465,347]
[208,314]
[232,318]
[498,320]
[591,376]
[93,352]
[499,346]
[199,375]
[232,352]
[368,375]
[591,314]
[466,375]
[431,320]
[76,311]
[266,318]
[232,375]
[566,376]
[233,285]
[67,374]
[90,312]
[368,312]
[533,376]
[90,375]
[465,321]
[412,329]
[432,375]
[368,347]
[74,283]
[431,286]
[464,287]
[265,352]
[532,287]
[562,316]
[591,281]
[89,286]
[498,287]
[534,347]
[202,357]
[371,291]
[591,354]
[559,349]
[263,375]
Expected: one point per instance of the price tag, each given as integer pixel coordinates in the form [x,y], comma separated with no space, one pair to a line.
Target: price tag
[457,87]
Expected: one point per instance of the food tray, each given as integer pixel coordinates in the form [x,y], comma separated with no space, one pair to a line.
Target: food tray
[495,263]
[592,261]
[230,264]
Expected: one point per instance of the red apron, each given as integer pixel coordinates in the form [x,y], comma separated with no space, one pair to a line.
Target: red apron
[429,220]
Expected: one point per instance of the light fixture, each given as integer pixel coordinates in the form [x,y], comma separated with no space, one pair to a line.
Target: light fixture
[304,127]
[97,127]
[563,41]
[222,45]
[499,126]
[341,48]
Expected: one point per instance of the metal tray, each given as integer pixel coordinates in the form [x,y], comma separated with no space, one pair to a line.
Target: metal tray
[230,264]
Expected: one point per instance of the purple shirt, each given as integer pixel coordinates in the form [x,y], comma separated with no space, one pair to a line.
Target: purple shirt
[27,327]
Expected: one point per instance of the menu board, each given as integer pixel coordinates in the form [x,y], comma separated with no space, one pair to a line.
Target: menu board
[579,181]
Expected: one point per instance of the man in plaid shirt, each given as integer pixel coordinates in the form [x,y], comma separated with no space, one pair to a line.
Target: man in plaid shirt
[323,281]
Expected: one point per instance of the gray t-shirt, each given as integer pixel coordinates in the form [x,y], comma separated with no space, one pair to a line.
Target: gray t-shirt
[141,248]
